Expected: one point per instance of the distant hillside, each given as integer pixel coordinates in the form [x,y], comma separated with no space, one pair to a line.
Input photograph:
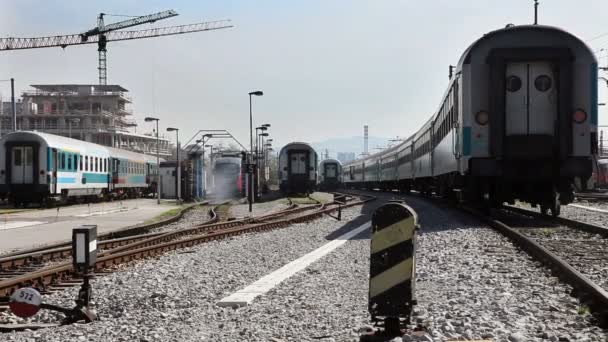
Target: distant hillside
[353,144]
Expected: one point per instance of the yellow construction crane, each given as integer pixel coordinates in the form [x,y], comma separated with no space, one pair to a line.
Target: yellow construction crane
[111,32]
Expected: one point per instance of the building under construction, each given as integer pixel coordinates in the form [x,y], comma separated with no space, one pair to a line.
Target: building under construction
[89,112]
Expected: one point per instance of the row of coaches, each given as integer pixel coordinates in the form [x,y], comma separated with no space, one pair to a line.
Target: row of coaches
[518,121]
[299,166]
[35,167]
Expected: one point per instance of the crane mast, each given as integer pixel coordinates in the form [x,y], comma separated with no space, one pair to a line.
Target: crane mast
[102,29]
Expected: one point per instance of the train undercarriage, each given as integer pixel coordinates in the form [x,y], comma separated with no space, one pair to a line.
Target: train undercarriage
[40,195]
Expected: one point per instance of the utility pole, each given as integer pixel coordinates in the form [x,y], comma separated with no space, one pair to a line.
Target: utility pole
[535,12]
[14,104]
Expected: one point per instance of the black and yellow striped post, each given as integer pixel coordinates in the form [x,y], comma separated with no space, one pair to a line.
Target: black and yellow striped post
[392,264]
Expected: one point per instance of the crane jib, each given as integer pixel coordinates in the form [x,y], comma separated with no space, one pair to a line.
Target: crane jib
[15,43]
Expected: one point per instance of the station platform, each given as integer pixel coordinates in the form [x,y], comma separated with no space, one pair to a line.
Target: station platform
[36,227]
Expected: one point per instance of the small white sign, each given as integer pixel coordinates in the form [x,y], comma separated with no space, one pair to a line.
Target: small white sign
[25,302]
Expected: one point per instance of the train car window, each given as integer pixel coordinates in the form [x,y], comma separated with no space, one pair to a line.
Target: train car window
[91,164]
[17,157]
[513,83]
[80,162]
[96,164]
[29,156]
[542,83]
[86,163]
[62,161]
[69,162]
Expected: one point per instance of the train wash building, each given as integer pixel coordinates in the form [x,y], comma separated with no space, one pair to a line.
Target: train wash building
[95,113]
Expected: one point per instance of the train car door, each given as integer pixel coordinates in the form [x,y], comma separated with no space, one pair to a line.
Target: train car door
[115,172]
[297,163]
[330,170]
[22,166]
[530,99]
[55,159]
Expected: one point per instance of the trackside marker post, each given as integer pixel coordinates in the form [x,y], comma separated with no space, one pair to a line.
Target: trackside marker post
[26,302]
[392,269]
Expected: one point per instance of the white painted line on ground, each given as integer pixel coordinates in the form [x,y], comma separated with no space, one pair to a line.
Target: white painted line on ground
[589,208]
[266,283]
[105,212]
[19,224]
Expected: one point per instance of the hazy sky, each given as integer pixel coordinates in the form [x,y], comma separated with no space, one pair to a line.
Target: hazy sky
[326,67]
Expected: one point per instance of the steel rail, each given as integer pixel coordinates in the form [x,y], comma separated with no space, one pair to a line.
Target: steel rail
[120,233]
[41,279]
[588,227]
[563,270]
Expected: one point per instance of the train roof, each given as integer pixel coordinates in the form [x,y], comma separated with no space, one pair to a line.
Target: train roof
[80,146]
[330,160]
[297,144]
[124,154]
[228,160]
[57,141]
[535,33]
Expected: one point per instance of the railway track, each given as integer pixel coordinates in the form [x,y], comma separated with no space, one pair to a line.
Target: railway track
[575,251]
[114,235]
[589,196]
[59,274]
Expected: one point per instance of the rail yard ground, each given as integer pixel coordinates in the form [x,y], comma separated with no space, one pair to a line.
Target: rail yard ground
[37,227]
[472,283]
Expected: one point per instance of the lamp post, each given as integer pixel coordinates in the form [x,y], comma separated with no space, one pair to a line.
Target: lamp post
[260,161]
[259,142]
[211,164]
[249,171]
[149,119]
[202,142]
[178,188]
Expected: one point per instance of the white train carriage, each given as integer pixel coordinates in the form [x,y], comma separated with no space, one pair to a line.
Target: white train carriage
[129,172]
[297,168]
[330,174]
[518,121]
[34,166]
[389,169]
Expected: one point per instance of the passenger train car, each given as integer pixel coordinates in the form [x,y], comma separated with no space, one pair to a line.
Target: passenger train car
[37,166]
[518,121]
[228,175]
[330,174]
[297,168]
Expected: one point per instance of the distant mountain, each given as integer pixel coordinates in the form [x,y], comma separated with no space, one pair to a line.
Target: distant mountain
[353,144]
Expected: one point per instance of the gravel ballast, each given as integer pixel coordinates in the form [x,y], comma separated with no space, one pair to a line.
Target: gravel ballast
[173,298]
[242,210]
[472,283]
[193,217]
